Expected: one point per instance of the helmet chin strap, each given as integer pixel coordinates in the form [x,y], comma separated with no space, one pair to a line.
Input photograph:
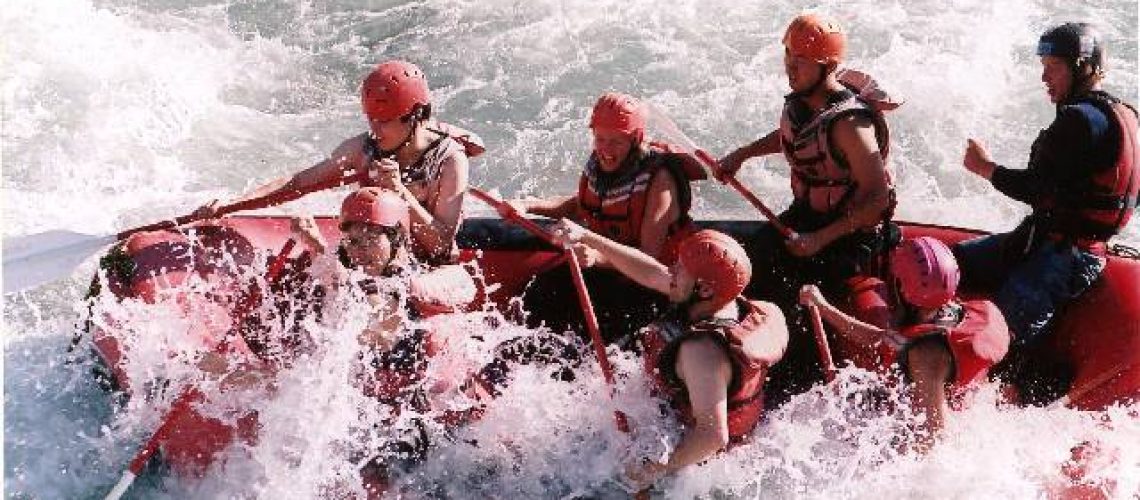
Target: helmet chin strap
[383,153]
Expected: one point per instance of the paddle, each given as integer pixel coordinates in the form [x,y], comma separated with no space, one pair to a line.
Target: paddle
[821,343]
[1080,391]
[674,135]
[579,285]
[245,304]
[44,257]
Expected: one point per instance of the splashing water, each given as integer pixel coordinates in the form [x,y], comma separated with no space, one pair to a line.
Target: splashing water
[122,112]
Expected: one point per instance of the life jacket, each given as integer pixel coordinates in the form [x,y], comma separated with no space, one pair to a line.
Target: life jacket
[425,172]
[427,167]
[976,334]
[749,352]
[1099,206]
[613,204]
[820,176]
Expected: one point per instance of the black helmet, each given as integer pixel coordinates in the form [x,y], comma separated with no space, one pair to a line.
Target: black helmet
[1075,41]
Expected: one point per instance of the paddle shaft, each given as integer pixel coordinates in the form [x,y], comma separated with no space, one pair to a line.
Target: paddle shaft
[182,403]
[250,204]
[821,343]
[514,216]
[712,164]
[579,285]
[595,332]
[1097,382]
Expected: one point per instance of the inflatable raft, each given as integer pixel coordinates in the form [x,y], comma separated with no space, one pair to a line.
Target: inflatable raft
[1096,339]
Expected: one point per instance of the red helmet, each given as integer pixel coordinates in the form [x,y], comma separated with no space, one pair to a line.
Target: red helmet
[816,38]
[618,112]
[926,271]
[374,206]
[393,90]
[719,261]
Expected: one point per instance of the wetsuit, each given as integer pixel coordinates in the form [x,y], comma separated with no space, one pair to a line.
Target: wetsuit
[1053,255]
[1057,252]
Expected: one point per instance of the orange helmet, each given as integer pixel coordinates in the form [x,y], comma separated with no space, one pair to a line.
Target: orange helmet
[374,206]
[816,38]
[619,112]
[719,261]
[393,90]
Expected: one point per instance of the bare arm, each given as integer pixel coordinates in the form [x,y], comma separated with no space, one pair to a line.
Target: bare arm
[704,368]
[633,263]
[323,175]
[555,208]
[769,144]
[435,230]
[855,137]
[844,324]
[662,210]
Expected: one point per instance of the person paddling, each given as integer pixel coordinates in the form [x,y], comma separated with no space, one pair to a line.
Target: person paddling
[404,151]
[835,138]
[710,354]
[632,191]
[933,338]
[1081,183]
[373,260]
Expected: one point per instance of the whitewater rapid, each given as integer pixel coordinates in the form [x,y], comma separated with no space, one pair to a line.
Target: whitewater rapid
[121,112]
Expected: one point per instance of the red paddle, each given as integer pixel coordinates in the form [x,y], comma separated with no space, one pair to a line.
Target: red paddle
[579,285]
[821,343]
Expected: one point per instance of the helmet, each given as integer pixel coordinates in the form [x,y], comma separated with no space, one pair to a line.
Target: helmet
[1074,41]
[393,90]
[719,261]
[374,206]
[619,112]
[926,271]
[816,38]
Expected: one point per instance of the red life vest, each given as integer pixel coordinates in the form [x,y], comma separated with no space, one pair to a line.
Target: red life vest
[1099,208]
[613,205]
[978,339]
[819,177]
[750,349]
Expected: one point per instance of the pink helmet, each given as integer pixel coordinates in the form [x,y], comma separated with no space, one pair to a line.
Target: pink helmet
[374,206]
[717,259]
[926,271]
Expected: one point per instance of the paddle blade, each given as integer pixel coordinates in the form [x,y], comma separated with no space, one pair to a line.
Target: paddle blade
[44,257]
[664,128]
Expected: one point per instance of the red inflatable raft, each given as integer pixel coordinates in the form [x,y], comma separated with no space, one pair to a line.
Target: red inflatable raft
[1097,338]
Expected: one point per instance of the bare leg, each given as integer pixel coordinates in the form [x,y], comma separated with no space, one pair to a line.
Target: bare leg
[928,364]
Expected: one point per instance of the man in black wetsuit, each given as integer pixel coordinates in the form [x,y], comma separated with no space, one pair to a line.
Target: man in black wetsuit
[1081,183]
